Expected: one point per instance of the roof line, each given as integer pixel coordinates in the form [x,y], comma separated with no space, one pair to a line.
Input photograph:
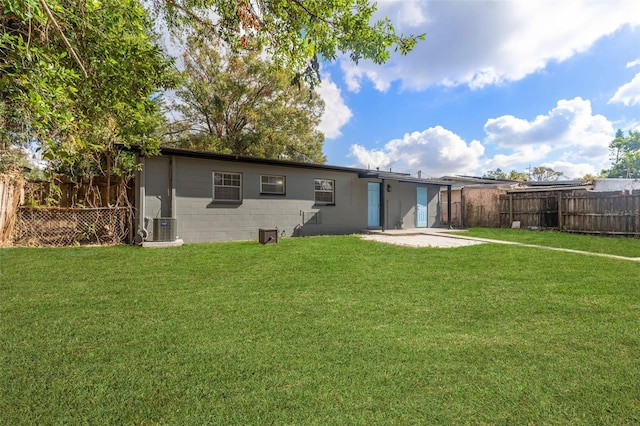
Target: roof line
[245,159]
[362,173]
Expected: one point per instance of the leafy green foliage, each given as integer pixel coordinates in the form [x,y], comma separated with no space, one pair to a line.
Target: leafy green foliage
[625,155]
[240,103]
[501,175]
[544,174]
[294,31]
[79,78]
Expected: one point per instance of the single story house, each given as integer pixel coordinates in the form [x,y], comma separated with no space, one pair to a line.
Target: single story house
[218,197]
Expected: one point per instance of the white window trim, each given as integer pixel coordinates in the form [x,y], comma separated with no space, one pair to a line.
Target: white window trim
[284,185]
[224,200]
[332,192]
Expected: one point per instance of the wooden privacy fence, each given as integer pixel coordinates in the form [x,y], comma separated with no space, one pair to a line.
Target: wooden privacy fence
[55,226]
[608,213]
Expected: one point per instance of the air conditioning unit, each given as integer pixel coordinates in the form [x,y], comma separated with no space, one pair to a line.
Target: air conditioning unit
[165,229]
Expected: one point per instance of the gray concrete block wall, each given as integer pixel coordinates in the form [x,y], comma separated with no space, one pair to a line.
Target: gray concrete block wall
[200,219]
[434,205]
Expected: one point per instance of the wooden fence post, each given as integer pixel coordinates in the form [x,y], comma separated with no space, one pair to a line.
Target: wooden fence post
[560,221]
[510,210]
[10,195]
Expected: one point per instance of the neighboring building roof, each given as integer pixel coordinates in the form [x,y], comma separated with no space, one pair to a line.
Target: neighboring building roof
[557,183]
[517,186]
[616,184]
[478,180]
[551,188]
[401,177]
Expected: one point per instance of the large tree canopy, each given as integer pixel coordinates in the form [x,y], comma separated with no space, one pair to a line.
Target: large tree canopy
[79,77]
[293,31]
[238,103]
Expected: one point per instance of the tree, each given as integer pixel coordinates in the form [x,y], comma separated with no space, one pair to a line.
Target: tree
[625,155]
[498,174]
[591,176]
[79,78]
[541,174]
[239,103]
[515,175]
[292,31]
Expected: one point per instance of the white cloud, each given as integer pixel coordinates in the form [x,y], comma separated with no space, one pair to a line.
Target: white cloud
[435,151]
[569,138]
[480,43]
[629,93]
[633,63]
[573,170]
[336,112]
[408,13]
[570,122]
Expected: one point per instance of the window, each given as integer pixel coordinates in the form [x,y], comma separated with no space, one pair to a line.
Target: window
[324,192]
[272,185]
[227,187]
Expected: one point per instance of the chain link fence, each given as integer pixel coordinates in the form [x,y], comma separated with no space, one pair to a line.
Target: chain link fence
[57,227]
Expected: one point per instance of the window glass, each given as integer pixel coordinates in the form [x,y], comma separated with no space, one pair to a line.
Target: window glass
[272,184]
[324,191]
[227,186]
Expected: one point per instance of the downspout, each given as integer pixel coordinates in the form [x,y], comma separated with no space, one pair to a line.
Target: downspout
[462,208]
[449,205]
[140,202]
[383,218]
[172,192]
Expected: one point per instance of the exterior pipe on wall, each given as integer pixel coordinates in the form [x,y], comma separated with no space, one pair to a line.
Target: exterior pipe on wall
[141,193]
[449,205]
[383,216]
[172,187]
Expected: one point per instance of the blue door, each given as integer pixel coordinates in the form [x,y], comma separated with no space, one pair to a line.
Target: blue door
[421,207]
[373,217]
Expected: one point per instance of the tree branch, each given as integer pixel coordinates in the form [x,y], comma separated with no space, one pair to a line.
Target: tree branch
[70,48]
[189,13]
[313,15]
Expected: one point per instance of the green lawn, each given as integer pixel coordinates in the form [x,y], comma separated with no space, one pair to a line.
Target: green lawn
[598,244]
[321,330]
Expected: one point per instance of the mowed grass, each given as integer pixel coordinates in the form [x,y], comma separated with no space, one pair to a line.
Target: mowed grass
[321,330]
[618,246]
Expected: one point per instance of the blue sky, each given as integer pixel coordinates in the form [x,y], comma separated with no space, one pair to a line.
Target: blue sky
[507,84]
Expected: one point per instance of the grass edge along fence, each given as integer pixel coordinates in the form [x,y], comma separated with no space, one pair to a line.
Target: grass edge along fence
[10,192]
[604,213]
